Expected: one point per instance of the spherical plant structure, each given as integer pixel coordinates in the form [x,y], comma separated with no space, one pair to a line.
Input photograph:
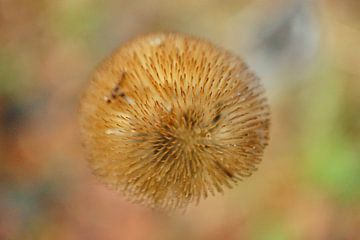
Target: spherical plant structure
[169,119]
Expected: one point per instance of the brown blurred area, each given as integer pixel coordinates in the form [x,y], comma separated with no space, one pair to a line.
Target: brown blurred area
[307,54]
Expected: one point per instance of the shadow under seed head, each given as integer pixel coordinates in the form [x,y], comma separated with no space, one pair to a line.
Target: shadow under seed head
[169,119]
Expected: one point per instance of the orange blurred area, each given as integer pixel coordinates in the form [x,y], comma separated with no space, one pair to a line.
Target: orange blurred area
[307,54]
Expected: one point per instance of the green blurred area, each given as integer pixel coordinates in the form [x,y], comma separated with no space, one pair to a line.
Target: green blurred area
[331,157]
[307,54]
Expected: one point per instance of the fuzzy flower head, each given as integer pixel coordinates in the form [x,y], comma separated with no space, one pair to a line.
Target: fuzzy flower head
[169,119]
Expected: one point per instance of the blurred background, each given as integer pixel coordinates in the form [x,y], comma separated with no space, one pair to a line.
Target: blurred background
[307,54]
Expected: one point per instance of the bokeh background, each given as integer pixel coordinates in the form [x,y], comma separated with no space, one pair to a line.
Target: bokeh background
[307,54]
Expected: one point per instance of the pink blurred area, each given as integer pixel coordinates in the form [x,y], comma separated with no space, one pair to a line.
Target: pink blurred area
[307,54]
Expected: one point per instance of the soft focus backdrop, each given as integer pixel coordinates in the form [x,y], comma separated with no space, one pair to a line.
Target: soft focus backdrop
[307,54]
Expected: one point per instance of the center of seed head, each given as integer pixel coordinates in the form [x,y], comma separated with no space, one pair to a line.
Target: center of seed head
[187,131]
[189,137]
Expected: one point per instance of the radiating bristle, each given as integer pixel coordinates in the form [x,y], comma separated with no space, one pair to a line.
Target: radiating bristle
[169,119]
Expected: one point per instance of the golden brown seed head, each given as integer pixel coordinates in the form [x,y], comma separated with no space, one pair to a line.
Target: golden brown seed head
[169,119]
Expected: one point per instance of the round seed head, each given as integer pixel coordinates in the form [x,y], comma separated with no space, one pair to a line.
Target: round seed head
[169,119]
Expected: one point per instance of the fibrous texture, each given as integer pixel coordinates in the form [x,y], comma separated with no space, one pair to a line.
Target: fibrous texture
[169,119]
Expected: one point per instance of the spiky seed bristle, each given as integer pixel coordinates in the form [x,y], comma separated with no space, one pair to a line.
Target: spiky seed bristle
[169,119]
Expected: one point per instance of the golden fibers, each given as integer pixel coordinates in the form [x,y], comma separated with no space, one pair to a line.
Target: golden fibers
[169,119]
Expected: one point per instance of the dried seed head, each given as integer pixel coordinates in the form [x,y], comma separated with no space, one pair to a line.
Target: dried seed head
[169,119]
